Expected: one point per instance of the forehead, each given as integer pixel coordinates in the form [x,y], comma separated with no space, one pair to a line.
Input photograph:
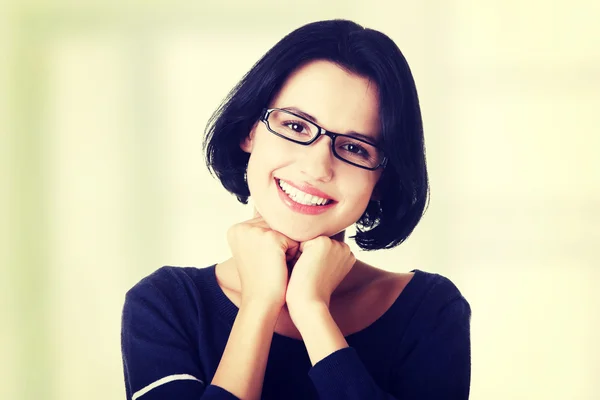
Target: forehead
[340,101]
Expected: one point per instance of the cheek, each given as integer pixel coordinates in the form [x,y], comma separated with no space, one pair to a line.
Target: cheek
[362,206]
[265,158]
[271,152]
[359,194]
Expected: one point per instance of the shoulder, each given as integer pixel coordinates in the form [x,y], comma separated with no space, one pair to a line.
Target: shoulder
[436,288]
[427,294]
[165,276]
[421,285]
[163,317]
[169,292]
[433,355]
[169,280]
[436,299]
[170,302]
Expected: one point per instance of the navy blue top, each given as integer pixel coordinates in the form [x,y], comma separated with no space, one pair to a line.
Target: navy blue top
[177,320]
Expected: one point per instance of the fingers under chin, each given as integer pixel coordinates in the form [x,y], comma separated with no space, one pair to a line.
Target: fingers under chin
[293,253]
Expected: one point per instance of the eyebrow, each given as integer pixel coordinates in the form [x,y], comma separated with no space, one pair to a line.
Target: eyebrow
[366,138]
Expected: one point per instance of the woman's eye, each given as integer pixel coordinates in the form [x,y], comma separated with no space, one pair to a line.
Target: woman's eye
[296,127]
[355,149]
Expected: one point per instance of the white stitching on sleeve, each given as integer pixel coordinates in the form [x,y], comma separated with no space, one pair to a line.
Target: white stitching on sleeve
[162,381]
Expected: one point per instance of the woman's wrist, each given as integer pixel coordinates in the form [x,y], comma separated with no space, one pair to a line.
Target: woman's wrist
[307,311]
[261,308]
[318,329]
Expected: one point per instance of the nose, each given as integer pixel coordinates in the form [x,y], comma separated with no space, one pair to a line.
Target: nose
[317,160]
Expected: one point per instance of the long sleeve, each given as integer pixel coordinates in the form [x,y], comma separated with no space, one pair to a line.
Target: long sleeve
[159,343]
[438,365]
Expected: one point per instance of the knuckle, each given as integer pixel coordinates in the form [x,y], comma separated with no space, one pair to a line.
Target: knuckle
[232,232]
[322,241]
[271,235]
[352,257]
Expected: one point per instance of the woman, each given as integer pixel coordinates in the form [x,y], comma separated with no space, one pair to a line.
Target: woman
[323,132]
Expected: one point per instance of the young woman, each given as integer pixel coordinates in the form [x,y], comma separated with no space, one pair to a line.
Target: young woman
[323,132]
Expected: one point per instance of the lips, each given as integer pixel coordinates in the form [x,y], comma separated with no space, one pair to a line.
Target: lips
[312,209]
[307,189]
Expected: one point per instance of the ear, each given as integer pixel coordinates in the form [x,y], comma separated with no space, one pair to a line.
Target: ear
[248,142]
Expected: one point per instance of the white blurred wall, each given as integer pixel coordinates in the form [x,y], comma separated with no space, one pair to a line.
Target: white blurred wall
[102,111]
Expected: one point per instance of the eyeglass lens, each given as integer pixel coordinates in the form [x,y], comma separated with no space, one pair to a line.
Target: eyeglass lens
[346,147]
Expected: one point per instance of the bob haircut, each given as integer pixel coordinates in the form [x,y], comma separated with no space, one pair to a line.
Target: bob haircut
[403,189]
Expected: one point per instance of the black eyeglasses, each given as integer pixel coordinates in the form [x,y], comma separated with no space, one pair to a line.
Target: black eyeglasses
[297,129]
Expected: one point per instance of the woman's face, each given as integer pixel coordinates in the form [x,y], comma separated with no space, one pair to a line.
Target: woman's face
[340,102]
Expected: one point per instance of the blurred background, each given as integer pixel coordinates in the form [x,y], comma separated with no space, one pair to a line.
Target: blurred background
[103,105]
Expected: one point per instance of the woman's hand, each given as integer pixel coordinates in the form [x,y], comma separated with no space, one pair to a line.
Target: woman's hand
[322,265]
[260,255]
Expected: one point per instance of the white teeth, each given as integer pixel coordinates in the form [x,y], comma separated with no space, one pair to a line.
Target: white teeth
[301,197]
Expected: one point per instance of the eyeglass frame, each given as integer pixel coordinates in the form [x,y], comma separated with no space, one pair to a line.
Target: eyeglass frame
[264,117]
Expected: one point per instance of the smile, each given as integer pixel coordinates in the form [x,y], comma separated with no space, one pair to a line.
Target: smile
[300,197]
[302,202]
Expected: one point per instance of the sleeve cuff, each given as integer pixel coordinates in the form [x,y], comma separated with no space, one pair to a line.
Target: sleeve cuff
[340,374]
[217,393]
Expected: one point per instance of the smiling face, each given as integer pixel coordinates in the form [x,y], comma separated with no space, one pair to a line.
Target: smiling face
[281,174]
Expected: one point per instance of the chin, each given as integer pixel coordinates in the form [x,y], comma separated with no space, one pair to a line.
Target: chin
[300,233]
[296,233]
